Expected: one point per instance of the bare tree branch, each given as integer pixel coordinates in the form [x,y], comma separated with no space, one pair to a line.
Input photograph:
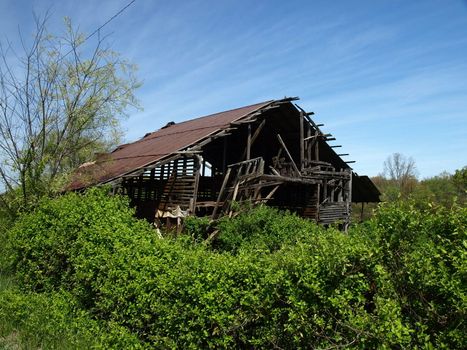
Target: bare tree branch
[58,106]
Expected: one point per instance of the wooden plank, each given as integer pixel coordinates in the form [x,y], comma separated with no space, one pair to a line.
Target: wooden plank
[290,179]
[269,196]
[257,131]
[221,192]
[255,186]
[288,154]
[241,122]
[234,196]
[310,137]
[274,171]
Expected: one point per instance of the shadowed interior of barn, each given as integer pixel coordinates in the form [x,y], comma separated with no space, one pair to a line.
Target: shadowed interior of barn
[272,152]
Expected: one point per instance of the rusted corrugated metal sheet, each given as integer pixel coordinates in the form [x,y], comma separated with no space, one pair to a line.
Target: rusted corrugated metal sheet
[155,146]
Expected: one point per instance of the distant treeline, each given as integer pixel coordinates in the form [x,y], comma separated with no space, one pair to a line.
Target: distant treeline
[399,181]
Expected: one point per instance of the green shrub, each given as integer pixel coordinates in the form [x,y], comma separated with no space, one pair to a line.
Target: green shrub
[425,253]
[270,280]
[49,321]
[263,228]
[197,227]
[55,246]
[299,288]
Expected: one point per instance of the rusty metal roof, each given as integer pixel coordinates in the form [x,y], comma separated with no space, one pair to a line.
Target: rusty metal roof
[155,146]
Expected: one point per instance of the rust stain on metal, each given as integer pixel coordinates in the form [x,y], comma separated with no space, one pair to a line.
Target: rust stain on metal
[157,145]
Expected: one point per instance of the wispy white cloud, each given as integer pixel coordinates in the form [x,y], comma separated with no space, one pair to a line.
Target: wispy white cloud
[384,76]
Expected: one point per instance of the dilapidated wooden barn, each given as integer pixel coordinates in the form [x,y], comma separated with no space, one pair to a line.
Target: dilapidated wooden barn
[271,152]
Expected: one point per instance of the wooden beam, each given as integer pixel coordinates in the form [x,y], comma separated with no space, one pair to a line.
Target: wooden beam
[279,178]
[288,154]
[241,122]
[199,164]
[221,192]
[307,116]
[224,157]
[308,144]
[302,141]
[248,143]
[189,152]
[255,136]
[316,149]
[318,194]
[274,171]
[272,192]
[310,137]
[257,131]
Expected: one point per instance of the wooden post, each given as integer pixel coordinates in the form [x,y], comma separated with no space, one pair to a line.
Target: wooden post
[308,148]
[248,143]
[325,189]
[199,163]
[317,149]
[224,157]
[254,137]
[140,186]
[219,197]
[302,136]
[317,201]
[131,189]
[340,193]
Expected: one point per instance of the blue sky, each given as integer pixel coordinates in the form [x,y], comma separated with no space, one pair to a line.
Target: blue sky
[383,76]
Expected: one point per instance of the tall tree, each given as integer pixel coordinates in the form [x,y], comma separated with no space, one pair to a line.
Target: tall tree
[402,172]
[60,102]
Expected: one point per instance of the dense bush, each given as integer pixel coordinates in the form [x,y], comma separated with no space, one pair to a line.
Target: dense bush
[50,321]
[270,280]
[55,246]
[425,252]
[263,228]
